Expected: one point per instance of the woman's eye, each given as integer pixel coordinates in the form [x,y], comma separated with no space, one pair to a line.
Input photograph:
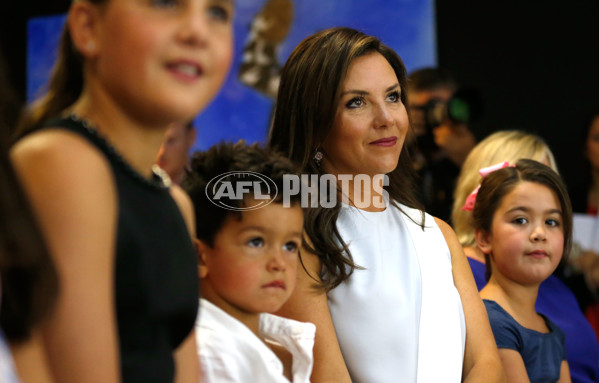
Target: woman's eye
[520,221]
[355,103]
[165,3]
[553,222]
[393,97]
[256,242]
[291,246]
[219,13]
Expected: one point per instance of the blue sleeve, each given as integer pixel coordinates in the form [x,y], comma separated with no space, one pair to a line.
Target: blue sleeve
[478,271]
[505,329]
[562,340]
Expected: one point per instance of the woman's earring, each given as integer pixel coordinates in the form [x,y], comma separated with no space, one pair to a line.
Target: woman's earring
[318,158]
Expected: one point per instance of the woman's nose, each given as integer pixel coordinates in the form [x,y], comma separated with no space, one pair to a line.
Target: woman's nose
[276,261]
[194,27]
[538,233]
[383,117]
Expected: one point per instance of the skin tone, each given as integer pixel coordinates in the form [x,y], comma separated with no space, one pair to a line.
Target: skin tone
[473,251]
[30,359]
[525,245]
[371,121]
[173,155]
[588,261]
[455,139]
[145,64]
[419,98]
[370,109]
[251,268]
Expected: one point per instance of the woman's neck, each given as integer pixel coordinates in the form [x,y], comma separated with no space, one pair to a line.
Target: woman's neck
[137,142]
[369,195]
[518,300]
[474,253]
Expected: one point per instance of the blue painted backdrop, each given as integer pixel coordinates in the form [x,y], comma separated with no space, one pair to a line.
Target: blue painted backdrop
[408,26]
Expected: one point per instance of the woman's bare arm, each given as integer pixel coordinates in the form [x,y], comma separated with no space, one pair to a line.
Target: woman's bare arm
[72,191]
[481,359]
[513,365]
[308,304]
[30,360]
[564,376]
[186,355]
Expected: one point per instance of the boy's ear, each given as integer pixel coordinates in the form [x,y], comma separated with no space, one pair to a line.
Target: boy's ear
[202,250]
[83,25]
[483,241]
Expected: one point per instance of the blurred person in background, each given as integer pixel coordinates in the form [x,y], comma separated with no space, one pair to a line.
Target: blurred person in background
[584,193]
[441,137]
[173,156]
[28,280]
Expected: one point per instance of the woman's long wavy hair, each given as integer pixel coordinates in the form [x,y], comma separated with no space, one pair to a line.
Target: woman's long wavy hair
[308,96]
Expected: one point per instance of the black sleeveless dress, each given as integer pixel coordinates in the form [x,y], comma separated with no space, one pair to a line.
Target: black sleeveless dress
[155,268]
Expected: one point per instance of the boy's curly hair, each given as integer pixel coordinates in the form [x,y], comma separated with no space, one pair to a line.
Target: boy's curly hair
[231,157]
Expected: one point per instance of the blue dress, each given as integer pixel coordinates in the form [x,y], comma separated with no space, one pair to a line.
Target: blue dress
[542,353]
[557,302]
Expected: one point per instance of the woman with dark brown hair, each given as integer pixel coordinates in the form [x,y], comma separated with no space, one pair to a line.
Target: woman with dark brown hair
[387,285]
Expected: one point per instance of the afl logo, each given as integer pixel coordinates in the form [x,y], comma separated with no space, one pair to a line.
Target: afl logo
[254,189]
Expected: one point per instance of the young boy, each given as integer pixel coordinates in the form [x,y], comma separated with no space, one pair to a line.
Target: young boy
[248,247]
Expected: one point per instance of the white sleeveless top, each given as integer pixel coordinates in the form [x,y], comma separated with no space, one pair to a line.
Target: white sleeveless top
[401,318]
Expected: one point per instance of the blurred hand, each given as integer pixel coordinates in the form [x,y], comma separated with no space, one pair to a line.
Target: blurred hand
[455,139]
[588,263]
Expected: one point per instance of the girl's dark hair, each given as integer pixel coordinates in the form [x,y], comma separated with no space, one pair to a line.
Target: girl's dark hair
[309,92]
[64,87]
[29,279]
[500,183]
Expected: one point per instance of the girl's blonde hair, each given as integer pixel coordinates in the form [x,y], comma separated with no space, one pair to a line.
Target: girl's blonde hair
[506,145]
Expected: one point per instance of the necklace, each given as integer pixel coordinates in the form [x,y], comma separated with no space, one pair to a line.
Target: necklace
[159,178]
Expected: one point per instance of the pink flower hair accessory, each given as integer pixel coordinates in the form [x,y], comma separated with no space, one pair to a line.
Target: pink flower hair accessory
[471,199]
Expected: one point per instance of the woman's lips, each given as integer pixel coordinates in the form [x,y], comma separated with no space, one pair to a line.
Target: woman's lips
[276,284]
[186,70]
[538,254]
[386,142]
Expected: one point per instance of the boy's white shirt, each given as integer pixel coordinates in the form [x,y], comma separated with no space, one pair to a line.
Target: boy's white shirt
[230,352]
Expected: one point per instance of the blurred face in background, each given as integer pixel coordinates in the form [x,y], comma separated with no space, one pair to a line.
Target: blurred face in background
[419,99]
[592,146]
[173,155]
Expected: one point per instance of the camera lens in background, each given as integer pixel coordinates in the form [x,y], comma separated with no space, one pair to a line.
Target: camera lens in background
[436,113]
[465,106]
